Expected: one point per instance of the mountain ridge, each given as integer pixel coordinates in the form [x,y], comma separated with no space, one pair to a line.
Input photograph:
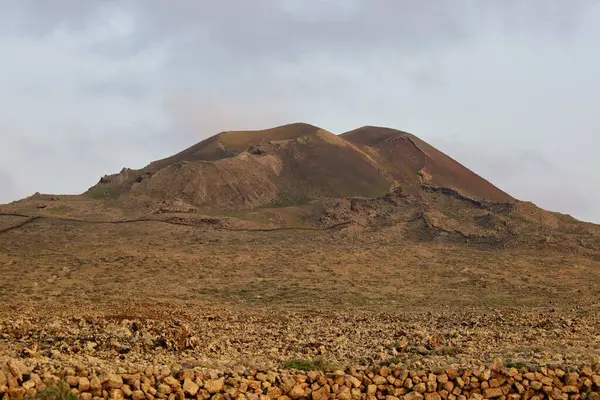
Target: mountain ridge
[302,162]
[299,176]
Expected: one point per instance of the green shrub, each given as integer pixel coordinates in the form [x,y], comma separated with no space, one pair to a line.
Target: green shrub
[300,365]
[60,391]
[317,364]
[514,364]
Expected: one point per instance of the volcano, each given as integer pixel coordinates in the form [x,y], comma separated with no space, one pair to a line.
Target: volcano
[300,176]
[294,164]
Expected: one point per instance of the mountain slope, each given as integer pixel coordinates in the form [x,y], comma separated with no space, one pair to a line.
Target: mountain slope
[413,162]
[299,176]
[293,164]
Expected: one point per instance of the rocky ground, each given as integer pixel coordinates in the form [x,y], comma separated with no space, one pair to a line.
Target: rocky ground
[185,311]
[260,338]
[254,354]
[389,382]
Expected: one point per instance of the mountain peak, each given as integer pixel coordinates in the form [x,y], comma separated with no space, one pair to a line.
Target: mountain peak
[298,162]
[300,175]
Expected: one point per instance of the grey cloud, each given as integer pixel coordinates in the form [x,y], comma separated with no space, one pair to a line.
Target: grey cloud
[100,85]
[283,29]
[132,89]
[528,175]
[77,161]
[197,117]
[8,186]
[40,18]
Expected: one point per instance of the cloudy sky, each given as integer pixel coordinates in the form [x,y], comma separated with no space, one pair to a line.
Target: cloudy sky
[510,88]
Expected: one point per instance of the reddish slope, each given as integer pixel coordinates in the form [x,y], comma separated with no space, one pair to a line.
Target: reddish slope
[291,164]
[285,165]
[412,162]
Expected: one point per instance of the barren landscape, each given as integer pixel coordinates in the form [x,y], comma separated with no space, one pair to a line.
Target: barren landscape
[294,248]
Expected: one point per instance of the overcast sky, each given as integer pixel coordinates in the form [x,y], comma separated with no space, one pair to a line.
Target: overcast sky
[510,88]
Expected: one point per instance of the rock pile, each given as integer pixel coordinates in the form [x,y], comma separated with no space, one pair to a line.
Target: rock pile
[260,339]
[374,383]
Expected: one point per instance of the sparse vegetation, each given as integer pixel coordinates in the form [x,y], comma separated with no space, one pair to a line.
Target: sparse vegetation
[59,209]
[300,365]
[514,364]
[316,364]
[288,201]
[536,350]
[323,364]
[59,391]
[447,351]
[102,192]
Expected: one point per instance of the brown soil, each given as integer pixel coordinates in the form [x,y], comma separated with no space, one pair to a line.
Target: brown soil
[443,262]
